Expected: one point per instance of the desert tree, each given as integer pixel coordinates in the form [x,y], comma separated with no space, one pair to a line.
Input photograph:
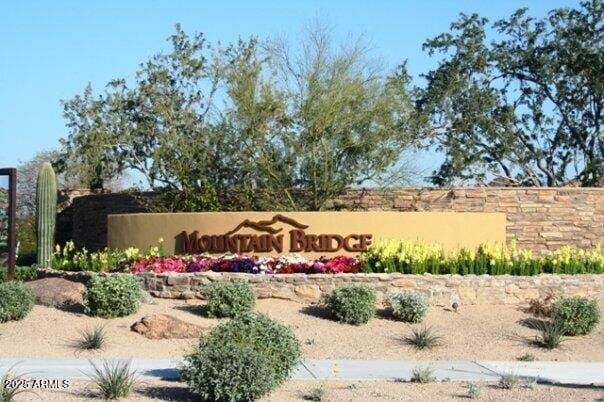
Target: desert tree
[281,129]
[349,117]
[525,107]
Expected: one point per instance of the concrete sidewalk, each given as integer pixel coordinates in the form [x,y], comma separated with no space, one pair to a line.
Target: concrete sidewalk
[550,372]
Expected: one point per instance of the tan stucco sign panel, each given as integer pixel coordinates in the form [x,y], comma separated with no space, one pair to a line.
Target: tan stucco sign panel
[309,233]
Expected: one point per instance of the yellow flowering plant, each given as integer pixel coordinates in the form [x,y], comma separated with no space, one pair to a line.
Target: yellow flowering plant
[416,257]
[68,258]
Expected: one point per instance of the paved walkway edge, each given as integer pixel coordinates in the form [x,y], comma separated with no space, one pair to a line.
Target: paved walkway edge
[583,373]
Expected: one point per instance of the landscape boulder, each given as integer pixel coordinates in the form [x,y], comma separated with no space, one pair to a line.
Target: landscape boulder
[164,326]
[57,292]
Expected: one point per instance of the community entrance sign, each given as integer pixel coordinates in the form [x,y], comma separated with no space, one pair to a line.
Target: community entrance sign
[8,191]
[309,233]
[271,239]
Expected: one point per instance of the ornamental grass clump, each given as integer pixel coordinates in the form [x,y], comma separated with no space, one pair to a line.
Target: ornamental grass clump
[423,375]
[508,381]
[113,380]
[576,315]
[527,357]
[10,393]
[316,394]
[407,306]
[242,359]
[16,301]
[117,295]
[423,338]
[474,391]
[91,339]
[551,334]
[228,299]
[352,304]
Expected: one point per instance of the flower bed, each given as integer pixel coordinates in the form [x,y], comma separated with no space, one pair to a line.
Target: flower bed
[293,264]
[389,256]
[410,257]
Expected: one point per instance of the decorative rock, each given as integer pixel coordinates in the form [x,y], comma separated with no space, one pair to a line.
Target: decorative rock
[163,326]
[180,280]
[403,283]
[284,293]
[57,292]
[308,292]
[146,298]
[263,292]
[467,294]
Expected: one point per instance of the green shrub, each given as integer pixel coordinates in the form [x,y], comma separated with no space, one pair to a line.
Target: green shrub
[22,274]
[577,315]
[407,306]
[16,301]
[352,304]
[228,299]
[242,359]
[112,296]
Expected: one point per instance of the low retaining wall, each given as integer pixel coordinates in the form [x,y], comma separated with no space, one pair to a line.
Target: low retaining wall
[440,289]
[74,276]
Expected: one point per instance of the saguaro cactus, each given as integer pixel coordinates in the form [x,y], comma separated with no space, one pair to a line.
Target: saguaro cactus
[46,195]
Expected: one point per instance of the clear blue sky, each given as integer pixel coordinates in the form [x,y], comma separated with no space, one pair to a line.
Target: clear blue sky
[49,50]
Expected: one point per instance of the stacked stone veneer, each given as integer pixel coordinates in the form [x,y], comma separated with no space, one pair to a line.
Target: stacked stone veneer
[540,219]
[440,289]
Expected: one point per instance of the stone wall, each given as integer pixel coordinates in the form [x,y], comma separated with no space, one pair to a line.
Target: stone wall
[439,289]
[539,218]
[84,219]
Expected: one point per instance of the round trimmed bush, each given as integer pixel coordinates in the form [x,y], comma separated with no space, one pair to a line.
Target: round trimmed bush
[228,299]
[577,315]
[407,306]
[242,359]
[117,295]
[352,304]
[16,301]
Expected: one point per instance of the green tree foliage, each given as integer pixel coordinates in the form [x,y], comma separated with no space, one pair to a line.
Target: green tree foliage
[249,118]
[87,153]
[525,107]
[349,122]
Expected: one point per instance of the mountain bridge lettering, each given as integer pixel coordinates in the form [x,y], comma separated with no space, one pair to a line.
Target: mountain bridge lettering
[273,240]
